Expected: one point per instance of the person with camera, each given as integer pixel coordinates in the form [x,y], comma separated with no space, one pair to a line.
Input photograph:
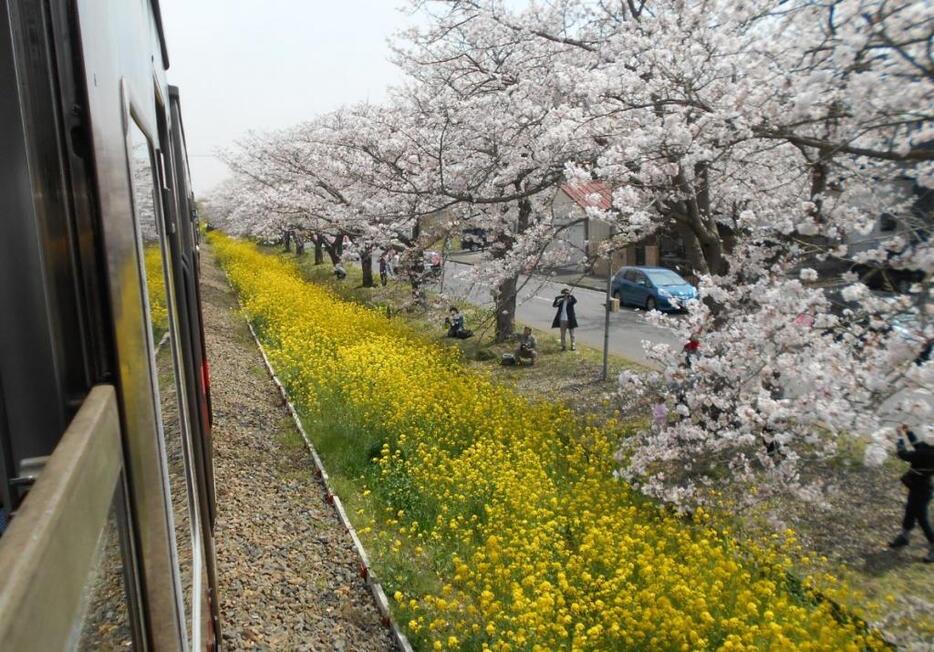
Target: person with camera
[565,319]
[455,324]
[918,480]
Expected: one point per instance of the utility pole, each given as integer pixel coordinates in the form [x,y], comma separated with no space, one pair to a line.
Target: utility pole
[606,321]
[609,305]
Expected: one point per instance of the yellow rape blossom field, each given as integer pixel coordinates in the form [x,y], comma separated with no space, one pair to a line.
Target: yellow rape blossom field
[509,507]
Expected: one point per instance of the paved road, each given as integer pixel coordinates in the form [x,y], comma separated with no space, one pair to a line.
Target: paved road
[627,327]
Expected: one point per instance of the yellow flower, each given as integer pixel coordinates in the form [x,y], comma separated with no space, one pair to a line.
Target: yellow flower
[508,508]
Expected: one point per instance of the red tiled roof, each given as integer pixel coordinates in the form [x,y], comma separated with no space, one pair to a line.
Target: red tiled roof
[589,194]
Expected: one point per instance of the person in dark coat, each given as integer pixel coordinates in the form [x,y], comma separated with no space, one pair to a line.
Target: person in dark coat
[383,269]
[773,385]
[565,319]
[925,354]
[918,481]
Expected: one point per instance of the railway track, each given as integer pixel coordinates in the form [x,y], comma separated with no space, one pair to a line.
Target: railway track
[289,575]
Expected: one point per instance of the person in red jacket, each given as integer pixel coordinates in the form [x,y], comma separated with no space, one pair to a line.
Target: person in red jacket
[691,347]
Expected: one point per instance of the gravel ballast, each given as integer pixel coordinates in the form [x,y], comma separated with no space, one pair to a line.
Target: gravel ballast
[289,577]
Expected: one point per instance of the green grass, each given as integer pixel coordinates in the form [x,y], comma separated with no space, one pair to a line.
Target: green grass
[563,375]
[348,449]
[350,469]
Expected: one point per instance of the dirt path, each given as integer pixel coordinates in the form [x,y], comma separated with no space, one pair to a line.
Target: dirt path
[287,570]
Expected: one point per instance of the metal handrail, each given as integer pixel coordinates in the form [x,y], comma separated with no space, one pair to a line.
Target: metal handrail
[49,550]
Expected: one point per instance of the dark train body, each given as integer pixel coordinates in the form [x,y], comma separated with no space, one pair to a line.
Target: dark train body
[105,423]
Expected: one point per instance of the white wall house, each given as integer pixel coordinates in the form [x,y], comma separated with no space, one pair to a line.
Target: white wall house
[577,244]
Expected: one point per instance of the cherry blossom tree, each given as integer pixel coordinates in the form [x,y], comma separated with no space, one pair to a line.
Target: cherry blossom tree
[771,137]
[500,136]
[779,140]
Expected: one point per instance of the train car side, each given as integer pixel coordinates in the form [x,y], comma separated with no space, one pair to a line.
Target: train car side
[104,365]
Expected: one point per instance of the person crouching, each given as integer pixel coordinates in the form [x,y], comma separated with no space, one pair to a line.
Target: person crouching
[455,323]
[527,347]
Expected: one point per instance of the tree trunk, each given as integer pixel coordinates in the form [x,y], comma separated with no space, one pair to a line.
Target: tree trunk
[820,179]
[728,236]
[331,248]
[820,171]
[692,249]
[703,245]
[366,264]
[287,240]
[505,295]
[711,240]
[415,269]
[505,301]
[713,254]
[525,214]
[319,251]
[299,245]
[414,262]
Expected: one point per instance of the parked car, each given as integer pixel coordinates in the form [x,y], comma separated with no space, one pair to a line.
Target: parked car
[652,288]
[900,318]
[474,239]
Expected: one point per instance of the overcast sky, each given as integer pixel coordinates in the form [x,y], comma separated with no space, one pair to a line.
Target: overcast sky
[263,64]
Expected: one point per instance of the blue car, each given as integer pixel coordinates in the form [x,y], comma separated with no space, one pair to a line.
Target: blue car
[652,288]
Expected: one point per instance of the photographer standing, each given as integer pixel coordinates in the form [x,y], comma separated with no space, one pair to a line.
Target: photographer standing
[565,319]
[918,481]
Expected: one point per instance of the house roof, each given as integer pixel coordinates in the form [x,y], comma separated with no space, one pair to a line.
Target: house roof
[589,194]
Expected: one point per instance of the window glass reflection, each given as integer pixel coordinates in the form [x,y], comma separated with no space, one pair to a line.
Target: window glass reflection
[149,225]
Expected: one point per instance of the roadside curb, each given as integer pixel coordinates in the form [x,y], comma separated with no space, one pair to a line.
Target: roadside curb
[379,595]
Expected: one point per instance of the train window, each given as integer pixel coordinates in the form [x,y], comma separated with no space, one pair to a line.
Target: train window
[170,393]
